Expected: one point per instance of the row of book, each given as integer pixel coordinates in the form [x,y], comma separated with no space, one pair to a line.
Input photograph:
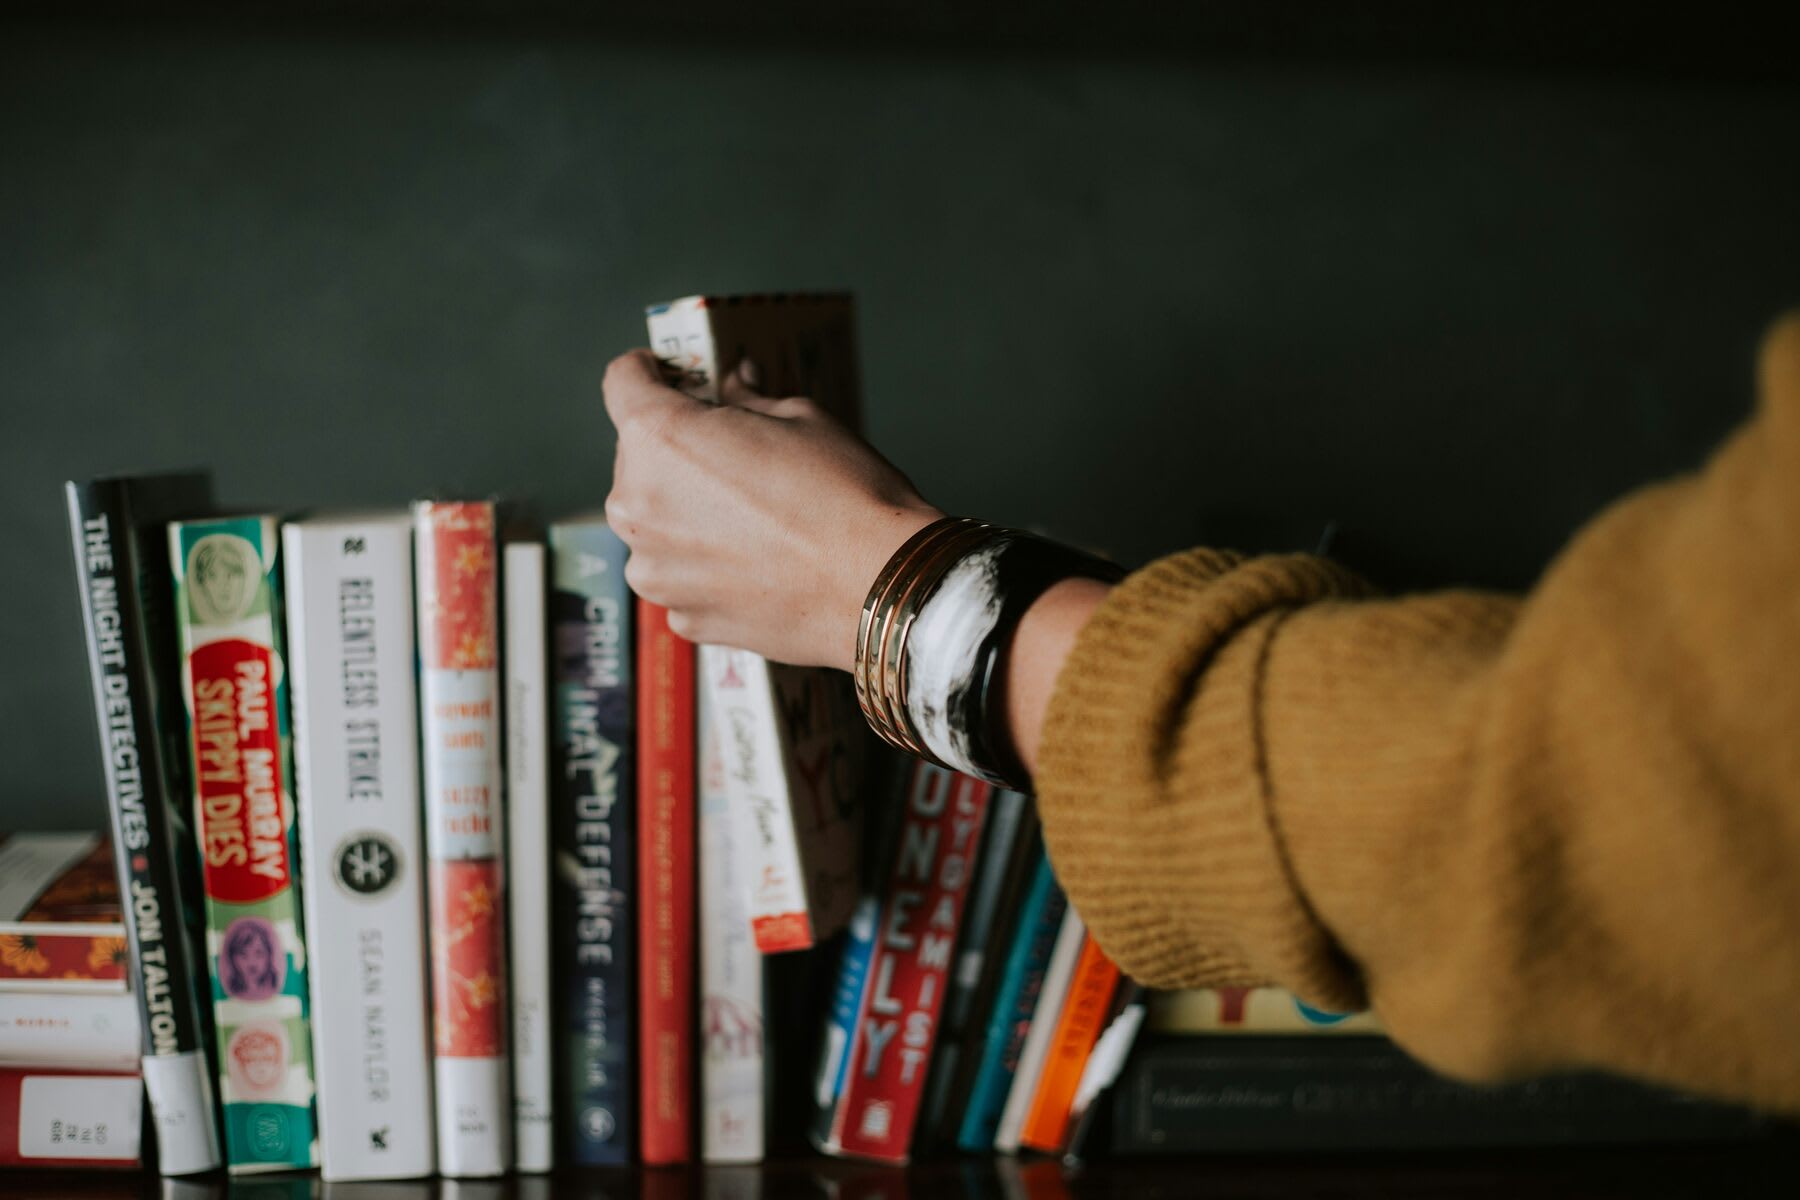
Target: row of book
[436,850]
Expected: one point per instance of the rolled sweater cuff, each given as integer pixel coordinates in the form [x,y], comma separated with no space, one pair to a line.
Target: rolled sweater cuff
[1152,786]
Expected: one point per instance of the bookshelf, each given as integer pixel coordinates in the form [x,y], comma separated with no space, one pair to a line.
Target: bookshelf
[1539,248]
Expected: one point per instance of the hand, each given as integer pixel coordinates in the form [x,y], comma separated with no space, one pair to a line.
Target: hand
[757,523]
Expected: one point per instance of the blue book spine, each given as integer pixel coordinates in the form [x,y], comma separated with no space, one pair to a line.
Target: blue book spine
[592,836]
[846,998]
[1039,919]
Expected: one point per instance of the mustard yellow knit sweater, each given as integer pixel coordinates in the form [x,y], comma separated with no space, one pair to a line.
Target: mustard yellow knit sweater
[1555,831]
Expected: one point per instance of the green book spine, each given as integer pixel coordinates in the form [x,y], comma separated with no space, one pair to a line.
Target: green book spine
[234,682]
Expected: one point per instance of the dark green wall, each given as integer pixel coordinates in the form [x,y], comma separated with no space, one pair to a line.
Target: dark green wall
[1141,302]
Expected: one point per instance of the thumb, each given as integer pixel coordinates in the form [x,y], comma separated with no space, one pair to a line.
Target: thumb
[738,388]
[634,386]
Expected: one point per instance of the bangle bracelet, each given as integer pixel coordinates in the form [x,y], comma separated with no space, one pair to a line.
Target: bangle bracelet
[934,633]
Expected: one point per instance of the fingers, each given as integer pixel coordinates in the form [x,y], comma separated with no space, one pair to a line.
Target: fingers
[739,389]
[634,386]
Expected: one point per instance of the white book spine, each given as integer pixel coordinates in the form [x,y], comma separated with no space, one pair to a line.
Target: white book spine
[350,624]
[736,686]
[528,849]
[731,977]
[1058,974]
[89,1032]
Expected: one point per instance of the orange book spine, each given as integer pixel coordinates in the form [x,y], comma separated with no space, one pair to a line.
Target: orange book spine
[1083,1015]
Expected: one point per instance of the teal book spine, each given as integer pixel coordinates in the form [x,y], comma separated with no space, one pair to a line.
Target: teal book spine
[1039,920]
[234,682]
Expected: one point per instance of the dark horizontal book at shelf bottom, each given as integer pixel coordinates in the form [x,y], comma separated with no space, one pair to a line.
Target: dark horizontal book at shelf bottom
[1241,1094]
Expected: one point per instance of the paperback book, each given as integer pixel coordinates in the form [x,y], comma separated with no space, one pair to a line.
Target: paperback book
[228,613]
[61,926]
[56,1117]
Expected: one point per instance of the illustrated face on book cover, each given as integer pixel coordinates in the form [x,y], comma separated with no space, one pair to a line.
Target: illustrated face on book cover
[224,568]
[251,965]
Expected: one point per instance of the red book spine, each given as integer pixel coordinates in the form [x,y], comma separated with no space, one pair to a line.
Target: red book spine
[58,1118]
[921,912]
[665,888]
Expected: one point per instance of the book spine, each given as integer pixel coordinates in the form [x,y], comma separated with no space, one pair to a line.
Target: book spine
[1055,990]
[1077,1029]
[59,1118]
[526,716]
[740,693]
[821,735]
[1009,1020]
[665,887]
[350,591]
[459,701]
[1005,829]
[846,1009]
[177,1076]
[229,617]
[593,831]
[732,1020]
[1250,1010]
[921,913]
[93,1032]
[1111,1051]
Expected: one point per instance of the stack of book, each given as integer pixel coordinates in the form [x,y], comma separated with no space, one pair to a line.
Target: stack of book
[70,1092]
[442,853]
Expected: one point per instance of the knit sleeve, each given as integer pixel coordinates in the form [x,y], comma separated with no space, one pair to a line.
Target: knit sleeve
[1557,831]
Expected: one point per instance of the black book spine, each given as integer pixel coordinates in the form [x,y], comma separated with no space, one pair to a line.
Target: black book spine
[164,975]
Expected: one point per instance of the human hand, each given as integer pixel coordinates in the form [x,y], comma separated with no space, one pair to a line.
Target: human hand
[758,523]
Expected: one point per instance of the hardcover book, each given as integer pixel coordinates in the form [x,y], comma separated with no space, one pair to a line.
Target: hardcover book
[362,864]
[228,612]
[593,833]
[117,527]
[61,925]
[902,1003]
[459,727]
[53,1117]
[732,1065]
[527,719]
[792,739]
[1187,1095]
[665,888]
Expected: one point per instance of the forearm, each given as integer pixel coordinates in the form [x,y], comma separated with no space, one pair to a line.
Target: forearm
[1040,646]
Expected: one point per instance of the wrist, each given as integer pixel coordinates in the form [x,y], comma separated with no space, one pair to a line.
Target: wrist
[883,534]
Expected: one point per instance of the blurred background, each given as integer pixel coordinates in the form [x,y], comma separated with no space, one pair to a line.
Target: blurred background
[1140,275]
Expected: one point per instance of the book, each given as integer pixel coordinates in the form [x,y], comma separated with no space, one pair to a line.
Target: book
[1088,1114]
[1189,1094]
[459,730]
[526,715]
[732,1066]
[793,742]
[61,925]
[60,1118]
[1034,939]
[362,867]
[1249,1010]
[593,830]
[116,526]
[1054,991]
[95,1031]
[791,756]
[1005,859]
[228,615]
[902,1002]
[1084,1014]
[665,732]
